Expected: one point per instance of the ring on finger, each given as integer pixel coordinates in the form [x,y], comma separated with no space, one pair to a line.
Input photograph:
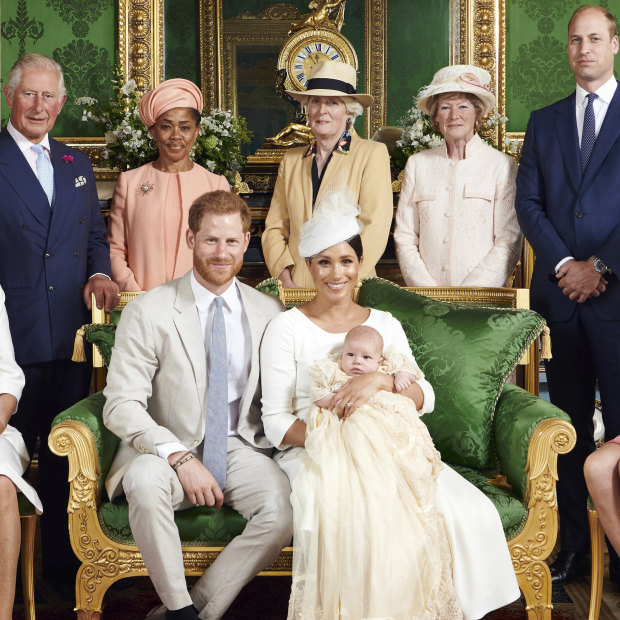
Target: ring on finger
[349,405]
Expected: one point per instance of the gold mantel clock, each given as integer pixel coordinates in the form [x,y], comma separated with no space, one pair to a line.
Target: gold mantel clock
[309,46]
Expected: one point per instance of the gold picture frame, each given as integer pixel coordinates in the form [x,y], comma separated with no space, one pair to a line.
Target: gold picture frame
[217,41]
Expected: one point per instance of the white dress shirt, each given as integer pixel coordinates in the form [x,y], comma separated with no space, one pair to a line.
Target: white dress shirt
[25,146]
[238,344]
[600,104]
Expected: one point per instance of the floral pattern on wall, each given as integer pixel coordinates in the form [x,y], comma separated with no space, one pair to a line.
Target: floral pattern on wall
[79,34]
[536,64]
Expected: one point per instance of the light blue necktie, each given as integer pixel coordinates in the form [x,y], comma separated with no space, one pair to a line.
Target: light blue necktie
[45,172]
[588,135]
[216,431]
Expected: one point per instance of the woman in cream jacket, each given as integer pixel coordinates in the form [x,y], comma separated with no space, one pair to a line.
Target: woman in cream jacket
[456,223]
[337,160]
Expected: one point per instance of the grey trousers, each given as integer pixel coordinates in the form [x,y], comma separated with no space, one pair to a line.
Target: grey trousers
[255,486]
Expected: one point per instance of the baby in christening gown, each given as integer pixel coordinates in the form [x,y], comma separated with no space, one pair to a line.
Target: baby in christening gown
[369,542]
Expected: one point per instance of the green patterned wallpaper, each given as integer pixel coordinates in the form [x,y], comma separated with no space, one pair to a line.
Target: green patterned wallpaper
[79,34]
[536,62]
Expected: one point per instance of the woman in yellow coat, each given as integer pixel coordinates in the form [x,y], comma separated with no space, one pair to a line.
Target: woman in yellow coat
[148,217]
[336,159]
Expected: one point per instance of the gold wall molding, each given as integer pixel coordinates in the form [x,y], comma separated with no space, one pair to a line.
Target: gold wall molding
[375,64]
[210,13]
[141,41]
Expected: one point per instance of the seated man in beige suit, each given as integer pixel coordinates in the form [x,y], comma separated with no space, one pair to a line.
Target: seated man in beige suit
[183,395]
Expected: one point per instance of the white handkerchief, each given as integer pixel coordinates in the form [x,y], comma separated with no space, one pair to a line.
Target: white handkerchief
[79,181]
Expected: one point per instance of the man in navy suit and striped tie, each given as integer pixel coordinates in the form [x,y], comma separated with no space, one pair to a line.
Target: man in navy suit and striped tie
[53,255]
[568,205]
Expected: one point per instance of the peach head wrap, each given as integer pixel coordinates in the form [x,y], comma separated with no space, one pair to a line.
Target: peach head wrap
[175,93]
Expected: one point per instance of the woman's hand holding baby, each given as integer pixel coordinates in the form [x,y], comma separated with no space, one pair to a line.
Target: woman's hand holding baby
[357,390]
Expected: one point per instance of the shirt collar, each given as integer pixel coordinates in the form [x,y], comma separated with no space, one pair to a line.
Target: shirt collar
[204,297]
[23,143]
[605,92]
[342,146]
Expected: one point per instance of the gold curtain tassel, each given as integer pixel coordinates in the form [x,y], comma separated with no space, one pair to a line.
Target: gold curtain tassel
[545,344]
[78,346]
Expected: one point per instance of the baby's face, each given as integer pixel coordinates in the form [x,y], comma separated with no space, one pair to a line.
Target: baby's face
[360,357]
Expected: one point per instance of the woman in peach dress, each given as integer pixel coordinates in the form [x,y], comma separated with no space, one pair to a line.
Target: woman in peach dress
[148,217]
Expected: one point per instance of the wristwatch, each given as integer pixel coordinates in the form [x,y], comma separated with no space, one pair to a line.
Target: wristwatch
[599,265]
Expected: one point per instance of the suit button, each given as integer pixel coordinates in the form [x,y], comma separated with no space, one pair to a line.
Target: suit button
[76,253]
[81,220]
[578,214]
[50,288]
[47,254]
[25,227]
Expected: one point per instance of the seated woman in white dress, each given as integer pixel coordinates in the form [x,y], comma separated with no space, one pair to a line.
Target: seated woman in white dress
[13,463]
[482,571]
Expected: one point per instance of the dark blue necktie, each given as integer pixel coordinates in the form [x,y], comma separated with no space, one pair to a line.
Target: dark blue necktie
[588,135]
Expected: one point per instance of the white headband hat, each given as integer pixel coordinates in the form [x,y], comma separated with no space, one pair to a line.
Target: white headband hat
[334,221]
[459,79]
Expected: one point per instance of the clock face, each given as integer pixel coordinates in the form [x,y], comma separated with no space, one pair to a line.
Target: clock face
[308,55]
[309,46]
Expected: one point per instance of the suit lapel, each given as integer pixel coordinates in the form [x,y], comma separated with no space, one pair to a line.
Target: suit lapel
[187,323]
[569,139]
[19,175]
[306,184]
[64,185]
[607,136]
[256,321]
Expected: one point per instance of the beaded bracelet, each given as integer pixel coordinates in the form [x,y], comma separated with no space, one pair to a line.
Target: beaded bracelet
[186,456]
[178,464]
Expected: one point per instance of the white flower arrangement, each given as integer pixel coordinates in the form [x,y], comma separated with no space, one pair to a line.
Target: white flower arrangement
[130,145]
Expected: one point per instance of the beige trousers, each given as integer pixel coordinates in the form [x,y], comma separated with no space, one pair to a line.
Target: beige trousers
[255,486]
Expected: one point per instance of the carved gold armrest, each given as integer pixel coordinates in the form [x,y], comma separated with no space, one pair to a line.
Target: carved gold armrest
[530,548]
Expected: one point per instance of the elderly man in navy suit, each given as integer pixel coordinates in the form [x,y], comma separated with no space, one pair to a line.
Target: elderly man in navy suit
[53,255]
[568,204]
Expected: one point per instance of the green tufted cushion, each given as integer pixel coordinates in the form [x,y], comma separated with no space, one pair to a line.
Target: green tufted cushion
[466,353]
[517,415]
[269,286]
[102,336]
[201,526]
[512,510]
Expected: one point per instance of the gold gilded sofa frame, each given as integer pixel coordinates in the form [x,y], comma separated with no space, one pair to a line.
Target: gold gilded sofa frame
[105,561]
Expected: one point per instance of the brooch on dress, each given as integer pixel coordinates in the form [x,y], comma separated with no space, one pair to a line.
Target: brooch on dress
[144,188]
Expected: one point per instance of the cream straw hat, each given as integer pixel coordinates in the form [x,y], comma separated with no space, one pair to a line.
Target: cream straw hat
[459,79]
[332,78]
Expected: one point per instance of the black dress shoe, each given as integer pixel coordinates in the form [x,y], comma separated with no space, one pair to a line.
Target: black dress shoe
[186,613]
[568,566]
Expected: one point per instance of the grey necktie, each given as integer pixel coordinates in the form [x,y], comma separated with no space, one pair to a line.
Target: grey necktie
[45,172]
[588,135]
[216,431]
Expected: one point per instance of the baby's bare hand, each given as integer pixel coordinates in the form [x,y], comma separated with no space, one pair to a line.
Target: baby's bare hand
[402,380]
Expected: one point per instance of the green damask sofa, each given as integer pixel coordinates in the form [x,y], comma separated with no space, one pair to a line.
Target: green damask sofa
[504,439]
